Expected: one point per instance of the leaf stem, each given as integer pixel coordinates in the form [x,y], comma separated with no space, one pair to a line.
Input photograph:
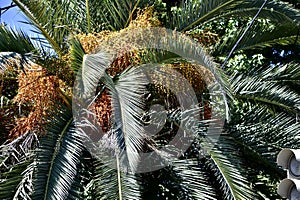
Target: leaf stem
[88,16]
[131,13]
[119,177]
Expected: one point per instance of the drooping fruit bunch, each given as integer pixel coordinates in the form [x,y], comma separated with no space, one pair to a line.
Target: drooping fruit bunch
[38,92]
[128,55]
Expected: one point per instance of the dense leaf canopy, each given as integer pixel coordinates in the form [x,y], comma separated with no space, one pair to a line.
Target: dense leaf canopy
[45,151]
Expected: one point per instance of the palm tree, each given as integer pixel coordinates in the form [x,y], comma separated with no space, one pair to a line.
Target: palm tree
[45,155]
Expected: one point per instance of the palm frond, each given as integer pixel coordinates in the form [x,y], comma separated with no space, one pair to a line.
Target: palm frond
[271,14]
[257,38]
[263,90]
[114,15]
[57,158]
[81,187]
[16,41]
[76,54]
[224,163]
[276,11]
[223,166]
[278,36]
[12,152]
[11,181]
[194,12]
[269,122]
[14,61]
[283,73]
[281,7]
[128,107]
[266,132]
[93,68]
[220,157]
[25,187]
[253,155]
[261,135]
[113,183]
[55,19]
[254,165]
[194,180]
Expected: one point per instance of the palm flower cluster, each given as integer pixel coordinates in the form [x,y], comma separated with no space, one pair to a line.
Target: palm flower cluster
[129,55]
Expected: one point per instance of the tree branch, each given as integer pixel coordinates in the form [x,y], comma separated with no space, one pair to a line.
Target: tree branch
[6,8]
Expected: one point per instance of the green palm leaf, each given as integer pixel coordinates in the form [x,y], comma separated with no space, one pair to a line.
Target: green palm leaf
[125,91]
[265,91]
[112,183]
[281,7]
[15,41]
[257,38]
[57,158]
[25,186]
[284,74]
[194,180]
[11,182]
[116,14]
[267,133]
[224,163]
[54,20]
[16,49]
[275,11]
[278,36]
[15,60]
[266,113]
[271,14]
[127,105]
[193,12]
[76,54]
